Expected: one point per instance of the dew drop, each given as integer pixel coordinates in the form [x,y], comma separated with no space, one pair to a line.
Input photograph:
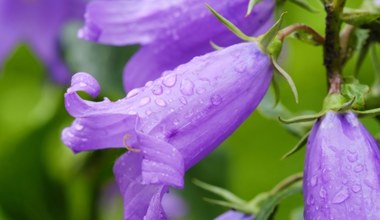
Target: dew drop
[144,101]
[310,200]
[132,113]
[149,83]
[82,84]
[78,127]
[157,90]
[341,196]
[183,100]
[176,122]
[170,80]
[216,99]
[322,193]
[314,181]
[187,87]
[358,168]
[133,92]
[352,157]
[356,188]
[201,90]
[160,102]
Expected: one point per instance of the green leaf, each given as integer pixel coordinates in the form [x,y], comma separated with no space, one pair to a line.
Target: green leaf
[355,91]
[302,142]
[269,205]
[230,25]
[305,5]
[227,195]
[362,19]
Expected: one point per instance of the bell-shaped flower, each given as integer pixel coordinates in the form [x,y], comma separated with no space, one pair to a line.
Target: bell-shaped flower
[38,24]
[171,32]
[342,170]
[171,123]
[234,215]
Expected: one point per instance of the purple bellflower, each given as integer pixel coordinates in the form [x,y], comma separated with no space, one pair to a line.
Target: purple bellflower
[171,123]
[234,215]
[171,32]
[38,23]
[342,170]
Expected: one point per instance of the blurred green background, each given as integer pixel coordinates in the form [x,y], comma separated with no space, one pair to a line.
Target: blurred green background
[42,179]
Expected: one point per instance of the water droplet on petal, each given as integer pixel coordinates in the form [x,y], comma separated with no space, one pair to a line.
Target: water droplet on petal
[82,84]
[358,168]
[176,122]
[149,83]
[144,101]
[310,200]
[322,193]
[216,99]
[201,90]
[157,90]
[183,100]
[314,181]
[341,196]
[170,80]
[78,127]
[160,102]
[352,157]
[356,188]
[133,92]
[187,87]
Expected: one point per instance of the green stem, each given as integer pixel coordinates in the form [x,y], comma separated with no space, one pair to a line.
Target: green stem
[332,50]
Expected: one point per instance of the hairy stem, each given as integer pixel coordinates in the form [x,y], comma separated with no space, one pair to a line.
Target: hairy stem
[332,50]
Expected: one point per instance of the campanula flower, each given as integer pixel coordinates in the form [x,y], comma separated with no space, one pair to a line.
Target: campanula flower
[38,23]
[342,178]
[234,215]
[171,32]
[171,123]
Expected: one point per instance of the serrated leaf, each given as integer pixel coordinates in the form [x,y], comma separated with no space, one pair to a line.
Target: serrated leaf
[269,205]
[357,92]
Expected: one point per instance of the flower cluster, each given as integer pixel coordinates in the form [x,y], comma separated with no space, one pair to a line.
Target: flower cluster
[38,23]
[169,124]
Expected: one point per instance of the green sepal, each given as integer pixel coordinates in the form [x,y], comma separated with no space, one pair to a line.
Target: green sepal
[305,5]
[230,25]
[302,118]
[266,39]
[215,46]
[302,142]
[287,77]
[251,4]
[223,193]
[269,205]
[334,102]
[267,110]
[368,113]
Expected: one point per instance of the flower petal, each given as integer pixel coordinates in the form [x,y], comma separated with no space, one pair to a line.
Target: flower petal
[140,201]
[342,179]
